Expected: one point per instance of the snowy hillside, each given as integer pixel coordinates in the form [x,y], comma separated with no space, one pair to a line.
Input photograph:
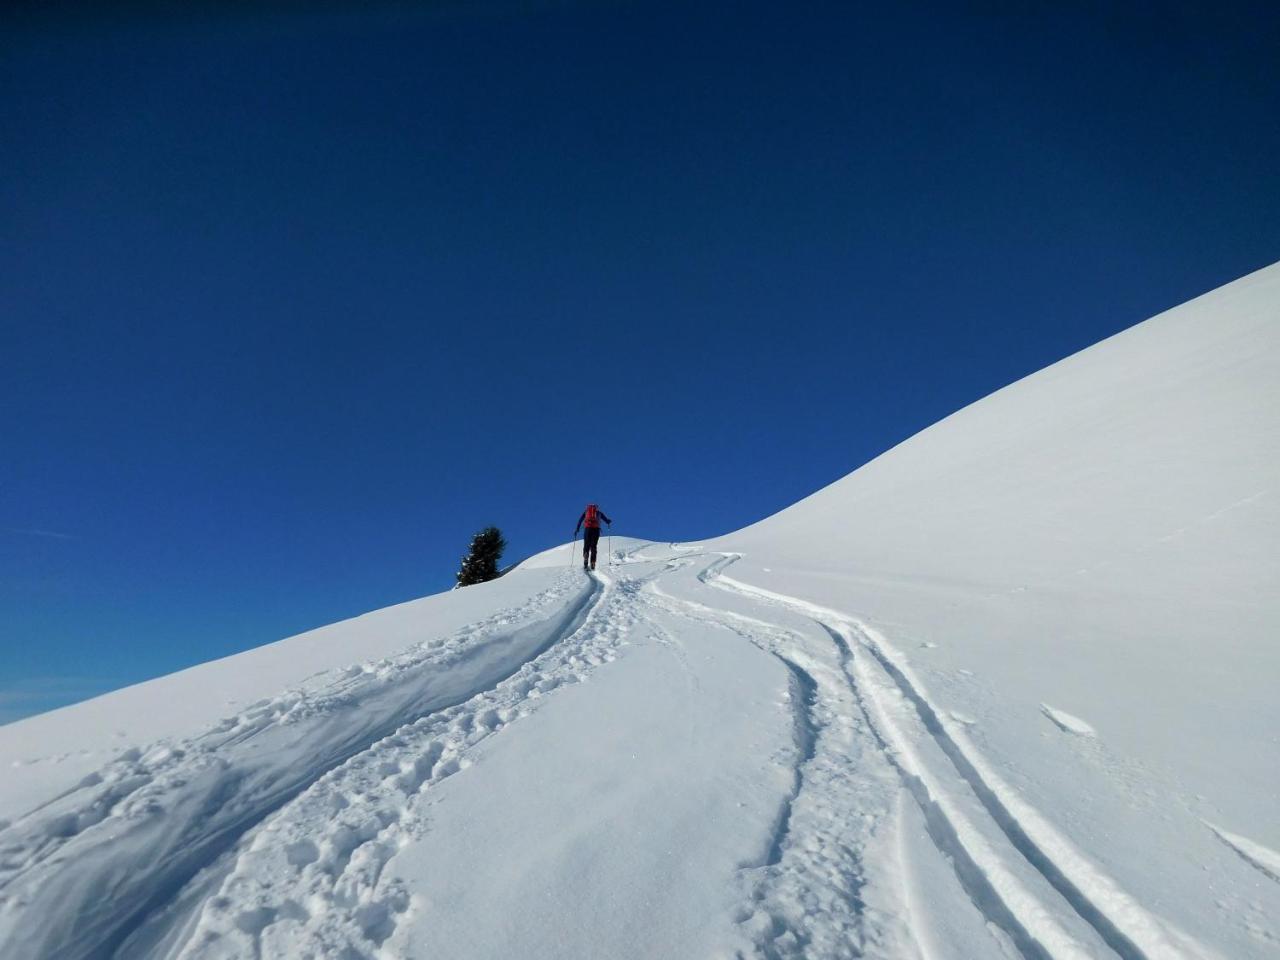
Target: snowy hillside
[1010,690]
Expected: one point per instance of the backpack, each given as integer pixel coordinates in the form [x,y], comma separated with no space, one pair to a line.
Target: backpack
[593,520]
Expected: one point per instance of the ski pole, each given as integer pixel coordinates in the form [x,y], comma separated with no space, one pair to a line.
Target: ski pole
[573,551]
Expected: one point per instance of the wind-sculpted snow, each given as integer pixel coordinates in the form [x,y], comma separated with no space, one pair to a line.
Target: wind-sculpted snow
[1067,722]
[1252,852]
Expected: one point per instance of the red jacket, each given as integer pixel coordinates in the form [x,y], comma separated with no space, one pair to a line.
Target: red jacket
[593,521]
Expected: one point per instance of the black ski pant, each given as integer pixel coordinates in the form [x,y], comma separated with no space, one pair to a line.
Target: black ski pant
[590,538]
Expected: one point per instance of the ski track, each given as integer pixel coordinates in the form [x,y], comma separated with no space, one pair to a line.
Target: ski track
[216,847]
[144,825]
[990,853]
[802,895]
[292,892]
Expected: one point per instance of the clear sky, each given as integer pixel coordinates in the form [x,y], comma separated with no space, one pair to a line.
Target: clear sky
[290,305]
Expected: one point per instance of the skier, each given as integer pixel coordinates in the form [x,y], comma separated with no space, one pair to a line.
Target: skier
[591,535]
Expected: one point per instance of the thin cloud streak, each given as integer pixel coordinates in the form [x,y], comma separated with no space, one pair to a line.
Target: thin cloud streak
[51,534]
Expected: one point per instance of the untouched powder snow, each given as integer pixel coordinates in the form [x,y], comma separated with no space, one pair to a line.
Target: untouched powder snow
[1009,690]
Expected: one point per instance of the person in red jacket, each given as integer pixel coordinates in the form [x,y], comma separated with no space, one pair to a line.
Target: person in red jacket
[591,517]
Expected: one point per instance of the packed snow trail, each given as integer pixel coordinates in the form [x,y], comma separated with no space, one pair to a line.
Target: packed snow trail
[293,890]
[144,825]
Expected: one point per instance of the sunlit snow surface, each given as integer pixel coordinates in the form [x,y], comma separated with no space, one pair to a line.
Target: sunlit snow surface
[1009,690]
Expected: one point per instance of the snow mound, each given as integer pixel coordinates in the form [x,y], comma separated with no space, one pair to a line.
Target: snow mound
[1066,722]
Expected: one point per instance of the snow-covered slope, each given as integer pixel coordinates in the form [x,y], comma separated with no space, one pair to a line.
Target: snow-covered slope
[1009,690]
[1084,566]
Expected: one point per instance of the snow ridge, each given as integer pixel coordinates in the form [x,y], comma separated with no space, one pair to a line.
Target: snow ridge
[1252,852]
[1066,722]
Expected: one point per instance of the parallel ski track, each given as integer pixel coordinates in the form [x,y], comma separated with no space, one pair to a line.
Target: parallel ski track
[803,895]
[1120,922]
[259,879]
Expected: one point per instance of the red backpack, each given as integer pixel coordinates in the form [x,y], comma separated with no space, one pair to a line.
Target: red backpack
[593,520]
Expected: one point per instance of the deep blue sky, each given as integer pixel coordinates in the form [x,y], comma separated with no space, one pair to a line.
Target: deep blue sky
[291,304]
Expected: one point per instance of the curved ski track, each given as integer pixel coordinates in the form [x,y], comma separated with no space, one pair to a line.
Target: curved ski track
[1021,874]
[110,860]
[207,850]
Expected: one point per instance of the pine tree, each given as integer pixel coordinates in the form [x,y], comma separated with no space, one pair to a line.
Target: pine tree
[481,563]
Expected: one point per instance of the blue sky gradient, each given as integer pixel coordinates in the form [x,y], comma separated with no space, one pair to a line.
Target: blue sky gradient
[291,304]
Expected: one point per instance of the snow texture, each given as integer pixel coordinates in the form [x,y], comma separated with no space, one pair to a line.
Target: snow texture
[1066,722]
[836,733]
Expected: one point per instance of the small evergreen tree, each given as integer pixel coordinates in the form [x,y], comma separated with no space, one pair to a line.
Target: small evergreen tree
[481,563]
